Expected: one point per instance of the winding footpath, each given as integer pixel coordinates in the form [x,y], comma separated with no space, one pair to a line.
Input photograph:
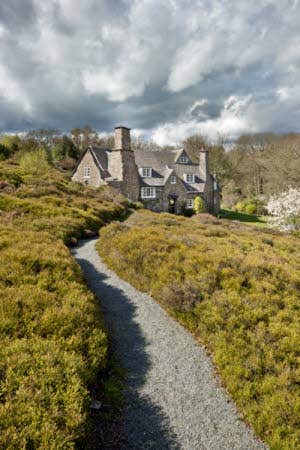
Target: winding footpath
[173,399]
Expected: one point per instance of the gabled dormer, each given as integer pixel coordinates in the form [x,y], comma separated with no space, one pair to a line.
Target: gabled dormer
[183,158]
[145,172]
[171,176]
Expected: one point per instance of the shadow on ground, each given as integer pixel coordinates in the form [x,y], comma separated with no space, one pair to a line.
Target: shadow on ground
[144,425]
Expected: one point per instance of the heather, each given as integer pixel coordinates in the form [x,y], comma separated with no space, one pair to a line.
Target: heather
[53,341]
[236,288]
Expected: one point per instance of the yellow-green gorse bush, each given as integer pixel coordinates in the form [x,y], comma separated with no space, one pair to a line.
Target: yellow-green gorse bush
[52,337]
[238,290]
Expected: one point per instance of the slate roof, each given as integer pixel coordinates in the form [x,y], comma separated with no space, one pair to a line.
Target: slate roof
[162,163]
[101,157]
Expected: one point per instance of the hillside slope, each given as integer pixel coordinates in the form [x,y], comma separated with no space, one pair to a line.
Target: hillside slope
[237,289]
[52,336]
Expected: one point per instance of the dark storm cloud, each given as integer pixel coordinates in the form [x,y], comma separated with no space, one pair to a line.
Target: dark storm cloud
[167,68]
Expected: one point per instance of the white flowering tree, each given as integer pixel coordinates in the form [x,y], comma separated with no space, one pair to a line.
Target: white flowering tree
[284,209]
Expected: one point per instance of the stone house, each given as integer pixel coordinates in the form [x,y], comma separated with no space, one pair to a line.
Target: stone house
[163,180]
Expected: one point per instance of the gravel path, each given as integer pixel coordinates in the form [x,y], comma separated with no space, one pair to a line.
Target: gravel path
[173,400]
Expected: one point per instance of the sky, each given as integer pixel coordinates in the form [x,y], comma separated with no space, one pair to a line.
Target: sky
[165,68]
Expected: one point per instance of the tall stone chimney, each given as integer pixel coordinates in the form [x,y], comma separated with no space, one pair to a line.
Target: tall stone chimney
[122,165]
[122,138]
[204,163]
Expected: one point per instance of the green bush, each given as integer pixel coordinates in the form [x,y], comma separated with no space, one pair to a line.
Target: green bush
[236,290]
[250,208]
[199,205]
[4,152]
[53,342]
[239,207]
[35,162]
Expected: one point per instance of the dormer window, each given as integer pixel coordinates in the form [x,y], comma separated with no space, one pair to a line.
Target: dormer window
[146,172]
[173,179]
[183,159]
[87,172]
[190,178]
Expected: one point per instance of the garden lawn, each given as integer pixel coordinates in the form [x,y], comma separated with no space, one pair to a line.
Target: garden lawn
[237,289]
[53,342]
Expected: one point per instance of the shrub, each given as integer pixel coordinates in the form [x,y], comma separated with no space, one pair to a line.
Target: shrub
[238,291]
[250,208]
[35,162]
[4,152]
[285,210]
[199,205]
[239,207]
[11,142]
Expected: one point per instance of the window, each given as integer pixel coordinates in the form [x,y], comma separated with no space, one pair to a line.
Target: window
[184,159]
[148,192]
[190,178]
[190,203]
[172,179]
[87,172]
[146,172]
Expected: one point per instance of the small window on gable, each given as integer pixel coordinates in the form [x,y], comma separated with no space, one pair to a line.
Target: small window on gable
[146,172]
[190,203]
[87,172]
[173,179]
[190,178]
[183,159]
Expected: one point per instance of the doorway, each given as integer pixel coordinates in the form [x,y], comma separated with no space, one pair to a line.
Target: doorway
[172,204]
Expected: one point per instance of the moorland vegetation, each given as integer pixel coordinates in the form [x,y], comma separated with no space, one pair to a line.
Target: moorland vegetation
[53,340]
[236,288]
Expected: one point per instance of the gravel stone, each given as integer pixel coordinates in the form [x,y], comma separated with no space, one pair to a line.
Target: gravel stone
[173,399]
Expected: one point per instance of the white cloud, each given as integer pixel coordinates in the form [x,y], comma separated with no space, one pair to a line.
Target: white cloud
[231,122]
[116,86]
[11,91]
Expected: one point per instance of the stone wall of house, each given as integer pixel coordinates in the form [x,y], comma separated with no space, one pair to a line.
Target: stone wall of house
[177,189]
[131,179]
[115,165]
[209,195]
[163,193]
[217,202]
[94,179]
[155,204]
[122,165]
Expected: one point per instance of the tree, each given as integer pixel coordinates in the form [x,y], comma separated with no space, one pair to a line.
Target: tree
[88,135]
[35,162]
[76,136]
[11,142]
[285,210]
[219,163]
[4,152]
[64,148]
[193,144]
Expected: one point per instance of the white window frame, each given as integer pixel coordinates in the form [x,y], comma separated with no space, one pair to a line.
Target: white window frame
[86,172]
[146,172]
[148,192]
[173,179]
[183,159]
[189,203]
[190,178]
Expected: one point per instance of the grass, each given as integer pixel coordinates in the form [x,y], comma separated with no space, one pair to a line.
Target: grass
[249,219]
[53,341]
[237,289]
